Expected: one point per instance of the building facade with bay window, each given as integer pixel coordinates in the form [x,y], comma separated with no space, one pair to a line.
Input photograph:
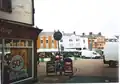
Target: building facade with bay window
[18,52]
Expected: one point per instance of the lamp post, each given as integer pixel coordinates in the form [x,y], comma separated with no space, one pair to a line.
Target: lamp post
[57,36]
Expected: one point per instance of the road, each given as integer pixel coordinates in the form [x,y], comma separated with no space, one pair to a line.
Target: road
[84,69]
[93,70]
[94,67]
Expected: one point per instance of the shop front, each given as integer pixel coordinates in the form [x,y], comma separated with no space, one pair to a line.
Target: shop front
[18,53]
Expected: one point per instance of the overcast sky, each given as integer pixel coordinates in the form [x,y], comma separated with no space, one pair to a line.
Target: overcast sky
[78,15]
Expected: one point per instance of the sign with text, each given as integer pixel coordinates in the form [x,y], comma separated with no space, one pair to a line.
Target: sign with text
[68,67]
[50,68]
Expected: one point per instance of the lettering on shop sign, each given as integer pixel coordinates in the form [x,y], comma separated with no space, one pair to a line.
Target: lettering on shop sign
[3,30]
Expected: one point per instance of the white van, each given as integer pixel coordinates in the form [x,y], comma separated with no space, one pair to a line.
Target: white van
[90,54]
[110,51]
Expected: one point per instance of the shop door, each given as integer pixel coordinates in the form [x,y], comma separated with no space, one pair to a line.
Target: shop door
[4,64]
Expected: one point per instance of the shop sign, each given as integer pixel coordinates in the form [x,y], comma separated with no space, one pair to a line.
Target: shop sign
[50,67]
[68,67]
[6,31]
[17,68]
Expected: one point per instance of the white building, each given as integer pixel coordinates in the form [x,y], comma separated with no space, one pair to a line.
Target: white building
[71,40]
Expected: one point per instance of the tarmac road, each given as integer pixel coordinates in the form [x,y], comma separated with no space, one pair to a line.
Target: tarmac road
[85,71]
[93,71]
[94,67]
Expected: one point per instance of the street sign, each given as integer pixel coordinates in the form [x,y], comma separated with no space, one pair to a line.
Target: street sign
[68,67]
[57,35]
[51,68]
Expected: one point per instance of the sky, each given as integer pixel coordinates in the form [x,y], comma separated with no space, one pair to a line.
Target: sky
[78,15]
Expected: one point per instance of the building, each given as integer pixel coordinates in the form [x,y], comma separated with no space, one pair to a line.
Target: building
[98,41]
[73,41]
[18,40]
[18,44]
[46,41]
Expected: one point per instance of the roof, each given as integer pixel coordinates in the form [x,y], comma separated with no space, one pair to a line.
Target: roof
[46,33]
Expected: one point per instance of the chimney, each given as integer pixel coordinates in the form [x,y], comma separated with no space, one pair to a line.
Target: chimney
[90,33]
[83,34]
[74,33]
[99,34]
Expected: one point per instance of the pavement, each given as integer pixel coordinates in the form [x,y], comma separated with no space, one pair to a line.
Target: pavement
[43,78]
[85,71]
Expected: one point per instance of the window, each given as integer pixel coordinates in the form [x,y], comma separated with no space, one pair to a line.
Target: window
[5,5]
[70,40]
[41,41]
[52,41]
[111,40]
[46,41]
[115,40]
[83,41]
[19,55]
[106,40]
[77,39]
[84,48]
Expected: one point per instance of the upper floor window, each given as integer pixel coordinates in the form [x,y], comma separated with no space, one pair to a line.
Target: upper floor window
[83,41]
[41,41]
[6,6]
[84,48]
[111,40]
[52,41]
[106,40]
[70,40]
[46,41]
[77,39]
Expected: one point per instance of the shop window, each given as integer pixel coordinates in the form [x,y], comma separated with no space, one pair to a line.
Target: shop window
[19,56]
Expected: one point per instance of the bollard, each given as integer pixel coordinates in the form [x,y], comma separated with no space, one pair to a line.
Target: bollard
[6,75]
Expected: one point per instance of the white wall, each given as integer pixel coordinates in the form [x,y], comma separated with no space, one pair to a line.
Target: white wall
[22,11]
[74,44]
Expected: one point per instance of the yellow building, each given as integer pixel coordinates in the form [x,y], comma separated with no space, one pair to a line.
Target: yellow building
[46,41]
[100,42]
